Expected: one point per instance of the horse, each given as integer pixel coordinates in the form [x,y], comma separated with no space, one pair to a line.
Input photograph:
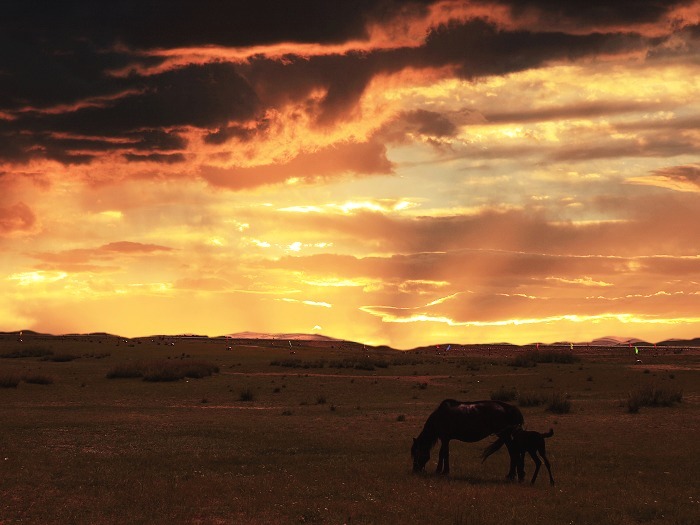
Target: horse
[531,442]
[468,421]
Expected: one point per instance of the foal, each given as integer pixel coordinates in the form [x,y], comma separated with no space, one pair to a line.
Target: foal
[532,443]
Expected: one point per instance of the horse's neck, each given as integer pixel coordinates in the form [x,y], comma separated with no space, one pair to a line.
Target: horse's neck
[429,434]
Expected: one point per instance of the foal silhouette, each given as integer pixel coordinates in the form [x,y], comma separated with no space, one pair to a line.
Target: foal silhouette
[530,442]
[466,421]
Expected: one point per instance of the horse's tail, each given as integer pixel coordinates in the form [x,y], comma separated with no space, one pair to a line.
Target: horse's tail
[548,434]
[505,436]
[493,447]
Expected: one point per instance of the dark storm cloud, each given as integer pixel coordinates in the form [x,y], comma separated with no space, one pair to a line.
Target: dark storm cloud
[474,49]
[64,102]
[204,96]
[593,12]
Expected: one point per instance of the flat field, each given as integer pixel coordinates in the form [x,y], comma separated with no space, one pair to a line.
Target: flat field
[321,434]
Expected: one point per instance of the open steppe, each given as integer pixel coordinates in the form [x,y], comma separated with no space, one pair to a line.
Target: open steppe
[313,432]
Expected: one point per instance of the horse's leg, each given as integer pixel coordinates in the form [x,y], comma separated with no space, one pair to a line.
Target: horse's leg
[546,464]
[521,466]
[513,457]
[444,457]
[538,464]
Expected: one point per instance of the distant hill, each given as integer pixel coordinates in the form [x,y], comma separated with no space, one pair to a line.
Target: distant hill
[283,337]
[618,341]
[680,342]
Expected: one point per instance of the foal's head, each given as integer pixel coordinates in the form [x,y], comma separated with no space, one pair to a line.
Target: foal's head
[420,454]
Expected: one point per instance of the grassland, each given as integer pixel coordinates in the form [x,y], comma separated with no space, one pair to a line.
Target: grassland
[323,435]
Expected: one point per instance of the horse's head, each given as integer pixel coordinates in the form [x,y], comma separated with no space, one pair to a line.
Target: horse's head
[420,455]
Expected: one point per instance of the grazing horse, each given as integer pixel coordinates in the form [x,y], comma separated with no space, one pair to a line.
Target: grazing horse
[466,421]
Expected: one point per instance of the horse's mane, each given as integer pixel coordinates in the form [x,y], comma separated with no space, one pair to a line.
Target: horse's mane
[429,434]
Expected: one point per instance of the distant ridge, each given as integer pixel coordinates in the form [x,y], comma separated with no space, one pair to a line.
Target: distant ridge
[618,341]
[284,337]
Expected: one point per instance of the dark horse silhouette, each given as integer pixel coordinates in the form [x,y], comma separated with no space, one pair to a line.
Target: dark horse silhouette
[530,442]
[466,421]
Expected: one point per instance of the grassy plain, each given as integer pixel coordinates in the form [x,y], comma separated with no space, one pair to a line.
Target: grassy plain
[330,443]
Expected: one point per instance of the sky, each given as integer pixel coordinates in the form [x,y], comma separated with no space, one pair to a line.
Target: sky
[401,173]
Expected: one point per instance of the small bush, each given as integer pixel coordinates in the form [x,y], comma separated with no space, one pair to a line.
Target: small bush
[533,357]
[246,395]
[531,399]
[161,373]
[654,396]
[504,394]
[559,404]
[321,400]
[163,370]
[9,380]
[38,379]
[61,358]
[401,417]
[126,370]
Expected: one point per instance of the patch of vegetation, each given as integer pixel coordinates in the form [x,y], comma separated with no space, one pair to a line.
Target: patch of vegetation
[163,370]
[298,363]
[531,399]
[246,395]
[321,400]
[504,394]
[9,380]
[32,351]
[654,396]
[60,358]
[559,404]
[38,379]
[531,358]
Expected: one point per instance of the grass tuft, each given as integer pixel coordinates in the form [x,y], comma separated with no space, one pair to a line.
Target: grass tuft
[654,396]
[559,404]
[504,394]
[533,357]
[9,380]
[163,370]
[38,379]
[32,351]
[246,395]
[531,399]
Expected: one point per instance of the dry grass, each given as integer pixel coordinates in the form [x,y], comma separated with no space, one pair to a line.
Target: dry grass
[132,451]
[163,370]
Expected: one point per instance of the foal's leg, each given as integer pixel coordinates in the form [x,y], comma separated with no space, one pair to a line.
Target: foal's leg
[538,464]
[546,464]
[444,457]
[514,460]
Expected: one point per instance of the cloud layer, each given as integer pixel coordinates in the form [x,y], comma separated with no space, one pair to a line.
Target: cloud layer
[471,170]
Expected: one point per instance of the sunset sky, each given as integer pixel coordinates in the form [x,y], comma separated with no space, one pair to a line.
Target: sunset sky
[398,173]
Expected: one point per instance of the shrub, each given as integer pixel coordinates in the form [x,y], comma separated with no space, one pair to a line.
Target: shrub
[126,370]
[61,358]
[38,379]
[32,351]
[654,396]
[504,394]
[246,395]
[559,404]
[532,357]
[9,380]
[162,370]
[531,399]
[321,400]
[401,417]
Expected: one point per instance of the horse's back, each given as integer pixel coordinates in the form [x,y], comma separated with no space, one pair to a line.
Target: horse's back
[475,420]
